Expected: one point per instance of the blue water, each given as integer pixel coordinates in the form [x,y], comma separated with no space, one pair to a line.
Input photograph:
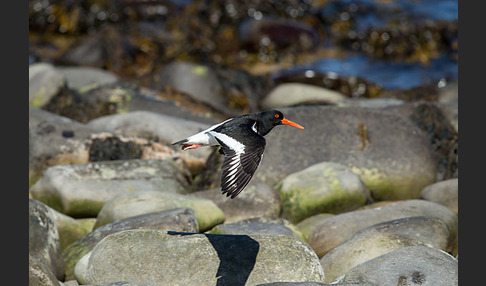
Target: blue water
[390,75]
[372,14]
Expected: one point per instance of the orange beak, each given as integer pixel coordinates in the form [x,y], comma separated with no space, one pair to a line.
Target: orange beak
[293,124]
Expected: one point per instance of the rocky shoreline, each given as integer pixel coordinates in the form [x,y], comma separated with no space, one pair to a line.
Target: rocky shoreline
[366,194]
[113,203]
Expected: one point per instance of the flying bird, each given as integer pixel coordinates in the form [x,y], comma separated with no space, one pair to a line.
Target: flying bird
[242,144]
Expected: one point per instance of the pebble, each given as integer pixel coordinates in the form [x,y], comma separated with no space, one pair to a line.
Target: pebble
[57,140]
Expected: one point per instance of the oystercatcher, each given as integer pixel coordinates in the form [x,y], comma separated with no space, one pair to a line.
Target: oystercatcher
[242,144]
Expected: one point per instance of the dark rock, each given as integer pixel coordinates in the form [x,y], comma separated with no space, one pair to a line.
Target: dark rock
[440,133]
[277,34]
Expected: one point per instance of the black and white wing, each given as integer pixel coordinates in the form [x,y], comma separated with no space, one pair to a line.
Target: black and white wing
[240,162]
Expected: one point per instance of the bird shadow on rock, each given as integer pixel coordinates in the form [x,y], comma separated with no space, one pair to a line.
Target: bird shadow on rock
[237,255]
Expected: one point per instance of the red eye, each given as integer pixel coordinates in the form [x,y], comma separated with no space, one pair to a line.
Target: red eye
[277,116]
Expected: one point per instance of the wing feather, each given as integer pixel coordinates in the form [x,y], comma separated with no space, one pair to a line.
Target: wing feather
[239,164]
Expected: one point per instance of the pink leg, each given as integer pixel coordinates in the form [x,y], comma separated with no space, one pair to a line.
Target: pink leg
[190,146]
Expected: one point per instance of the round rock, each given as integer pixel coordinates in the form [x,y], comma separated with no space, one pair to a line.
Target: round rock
[390,154]
[180,219]
[413,265]
[382,238]
[44,245]
[335,230]
[83,189]
[325,187]
[154,257]
[445,193]
[44,83]
[287,94]
[126,205]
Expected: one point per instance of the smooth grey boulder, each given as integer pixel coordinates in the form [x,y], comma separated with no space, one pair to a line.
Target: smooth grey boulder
[180,219]
[200,82]
[165,128]
[145,124]
[413,265]
[335,230]
[325,187]
[445,193]
[154,257]
[55,140]
[307,225]
[81,190]
[287,94]
[86,77]
[382,238]
[391,155]
[131,204]
[44,83]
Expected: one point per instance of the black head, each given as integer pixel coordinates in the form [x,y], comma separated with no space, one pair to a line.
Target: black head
[272,118]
